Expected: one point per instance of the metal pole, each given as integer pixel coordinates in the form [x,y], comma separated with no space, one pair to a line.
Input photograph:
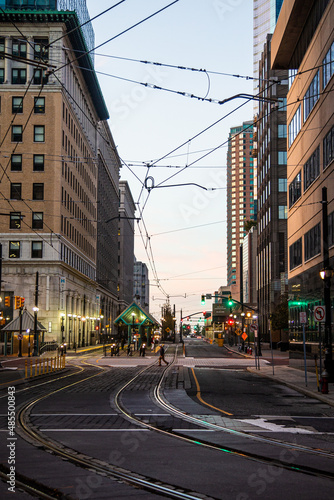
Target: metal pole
[35,351]
[304,344]
[327,287]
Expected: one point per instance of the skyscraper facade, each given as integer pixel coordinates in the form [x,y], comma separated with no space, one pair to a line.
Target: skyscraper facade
[271,135]
[141,284]
[241,191]
[265,15]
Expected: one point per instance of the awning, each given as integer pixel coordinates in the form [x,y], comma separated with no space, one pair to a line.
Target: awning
[28,322]
[134,315]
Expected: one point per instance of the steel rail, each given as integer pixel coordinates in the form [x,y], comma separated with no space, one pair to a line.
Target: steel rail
[247,455]
[132,478]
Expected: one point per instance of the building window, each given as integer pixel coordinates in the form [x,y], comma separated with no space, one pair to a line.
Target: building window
[282,157]
[36,249]
[2,47]
[37,220]
[311,96]
[282,212]
[295,189]
[312,242]
[15,220]
[295,254]
[328,148]
[41,51]
[38,191]
[282,185]
[16,163]
[14,250]
[281,130]
[16,191]
[38,163]
[328,66]
[312,168]
[294,126]
[2,75]
[331,229]
[19,49]
[39,133]
[17,134]
[39,105]
[17,105]
[19,76]
[40,77]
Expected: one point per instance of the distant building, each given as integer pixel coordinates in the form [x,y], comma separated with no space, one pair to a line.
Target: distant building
[265,15]
[126,245]
[272,262]
[303,42]
[249,277]
[141,284]
[241,191]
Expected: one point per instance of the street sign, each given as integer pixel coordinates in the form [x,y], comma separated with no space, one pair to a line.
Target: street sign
[244,336]
[320,313]
[303,317]
[253,327]
[20,336]
[208,296]
[238,331]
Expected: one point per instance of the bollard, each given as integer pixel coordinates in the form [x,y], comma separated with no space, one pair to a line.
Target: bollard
[40,367]
[44,365]
[31,368]
[51,365]
[36,368]
[26,369]
[47,365]
[324,382]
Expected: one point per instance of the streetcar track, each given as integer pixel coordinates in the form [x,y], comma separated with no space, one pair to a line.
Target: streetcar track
[28,432]
[251,456]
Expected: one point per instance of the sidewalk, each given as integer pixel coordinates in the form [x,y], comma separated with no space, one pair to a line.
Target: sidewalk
[291,377]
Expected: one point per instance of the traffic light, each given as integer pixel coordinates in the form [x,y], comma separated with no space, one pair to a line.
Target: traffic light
[22,301]
[231,321]
[204,314]
[7,301]
[230,301]
[17,302]
[203,299]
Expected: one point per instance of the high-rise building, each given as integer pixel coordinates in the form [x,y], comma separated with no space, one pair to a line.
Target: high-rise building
[303,41]
[271,136]
[141,284]
[126,245]
[241,190]
[265,15]
[59,177]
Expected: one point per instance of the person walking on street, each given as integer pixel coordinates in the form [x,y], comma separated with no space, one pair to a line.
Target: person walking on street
[162,355]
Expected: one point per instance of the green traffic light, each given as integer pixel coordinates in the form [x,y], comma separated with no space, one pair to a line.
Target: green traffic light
[203,299]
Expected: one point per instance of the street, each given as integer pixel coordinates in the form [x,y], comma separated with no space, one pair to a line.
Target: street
[204,425]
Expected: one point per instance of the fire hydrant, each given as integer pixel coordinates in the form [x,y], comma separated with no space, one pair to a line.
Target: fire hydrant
[324,382]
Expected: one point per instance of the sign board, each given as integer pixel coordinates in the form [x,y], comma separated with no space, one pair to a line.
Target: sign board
[244,336]
[238,331]
[253,327]
[320,313]
[208,296]
[220,310]
[20,336]
[303,317]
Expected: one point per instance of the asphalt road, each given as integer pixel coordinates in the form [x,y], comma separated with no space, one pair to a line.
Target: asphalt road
[85,417]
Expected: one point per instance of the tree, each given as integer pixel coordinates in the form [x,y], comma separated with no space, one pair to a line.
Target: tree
[280,318]
[248,224]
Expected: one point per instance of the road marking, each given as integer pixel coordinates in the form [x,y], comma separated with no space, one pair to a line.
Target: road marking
[270,426]
[198,395]
[94,430]
[74,414]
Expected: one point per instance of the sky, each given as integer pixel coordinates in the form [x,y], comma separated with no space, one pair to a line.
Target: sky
[182,233]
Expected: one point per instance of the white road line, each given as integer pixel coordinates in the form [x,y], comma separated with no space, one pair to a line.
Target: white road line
[73,414]
[94,430]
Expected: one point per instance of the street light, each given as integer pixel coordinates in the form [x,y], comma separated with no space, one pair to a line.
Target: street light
[69,329]
[36,346]
[326,275]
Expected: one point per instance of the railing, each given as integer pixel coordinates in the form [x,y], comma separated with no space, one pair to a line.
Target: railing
[41,366]
[49,346]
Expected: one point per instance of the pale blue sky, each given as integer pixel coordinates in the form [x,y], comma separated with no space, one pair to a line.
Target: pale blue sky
[215,35]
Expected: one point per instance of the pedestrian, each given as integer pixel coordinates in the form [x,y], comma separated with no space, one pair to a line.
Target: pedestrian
[129,350]
[162,355]
[143,347]
[122,343]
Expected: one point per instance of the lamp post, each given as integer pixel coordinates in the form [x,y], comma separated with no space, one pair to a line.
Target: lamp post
[62,328]
[36,346]
[69,329]
[326,275]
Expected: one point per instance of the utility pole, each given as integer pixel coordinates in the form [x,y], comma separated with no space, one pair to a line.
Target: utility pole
[36,339]
[327,286]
